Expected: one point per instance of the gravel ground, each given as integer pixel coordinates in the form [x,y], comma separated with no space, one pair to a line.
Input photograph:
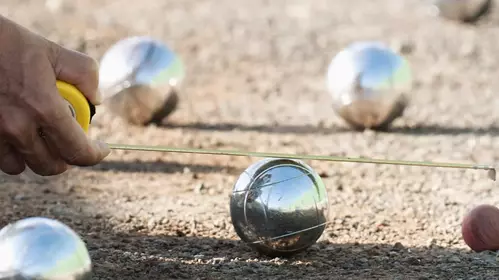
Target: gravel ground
[256,82]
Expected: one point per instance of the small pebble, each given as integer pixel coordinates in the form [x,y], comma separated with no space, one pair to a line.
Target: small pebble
[217,260]
[398,246]
[199,188]
[20,197]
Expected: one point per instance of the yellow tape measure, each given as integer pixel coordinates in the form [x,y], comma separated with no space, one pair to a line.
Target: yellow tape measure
[80,107]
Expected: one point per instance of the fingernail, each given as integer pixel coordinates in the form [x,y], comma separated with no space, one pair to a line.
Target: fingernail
[104,148]
[98,98]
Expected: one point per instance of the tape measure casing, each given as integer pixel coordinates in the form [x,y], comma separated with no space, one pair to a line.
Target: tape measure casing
[80,106]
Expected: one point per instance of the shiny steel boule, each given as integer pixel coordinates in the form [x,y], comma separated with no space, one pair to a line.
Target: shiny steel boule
[139,78]
[369,84]
[279,206]
[42,249]
[468,11]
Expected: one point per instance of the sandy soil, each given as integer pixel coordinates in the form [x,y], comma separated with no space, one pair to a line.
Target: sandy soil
[256,82]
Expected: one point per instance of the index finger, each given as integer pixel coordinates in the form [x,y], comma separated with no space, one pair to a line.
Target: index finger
[80,70]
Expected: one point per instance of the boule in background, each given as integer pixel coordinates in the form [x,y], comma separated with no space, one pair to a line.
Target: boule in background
[466,11]
[139,79]
[279,207]
[369,84]
[38,248]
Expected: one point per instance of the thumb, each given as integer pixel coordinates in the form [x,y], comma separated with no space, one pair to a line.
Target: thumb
[79,70]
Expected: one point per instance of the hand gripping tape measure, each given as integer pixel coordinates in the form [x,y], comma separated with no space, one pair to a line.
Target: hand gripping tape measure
[80,107]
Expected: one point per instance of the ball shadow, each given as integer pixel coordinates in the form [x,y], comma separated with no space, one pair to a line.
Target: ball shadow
[274,129]
[418,130]
[170,167]
[179,257]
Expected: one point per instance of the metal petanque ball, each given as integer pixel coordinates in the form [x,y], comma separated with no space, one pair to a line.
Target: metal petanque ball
[369,84]
[467,11]
[279,207]
[42,249]
[139,78]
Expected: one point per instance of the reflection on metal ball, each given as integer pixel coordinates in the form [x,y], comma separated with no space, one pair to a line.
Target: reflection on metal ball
[467,11]
[369,84]
[42,249]
[279,206]
[139,78]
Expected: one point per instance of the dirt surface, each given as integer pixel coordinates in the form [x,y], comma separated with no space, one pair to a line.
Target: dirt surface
[256,82]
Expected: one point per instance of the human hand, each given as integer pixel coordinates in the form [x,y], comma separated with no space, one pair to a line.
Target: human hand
[36,127]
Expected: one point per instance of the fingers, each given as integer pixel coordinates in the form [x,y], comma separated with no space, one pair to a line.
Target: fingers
[11,162]
[77,69]
[62,133]
[66,137]
[72,144]
[26,147]
[48,140]
[41,160]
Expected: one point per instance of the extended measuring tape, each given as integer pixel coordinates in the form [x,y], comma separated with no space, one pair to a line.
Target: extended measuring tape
[81,109]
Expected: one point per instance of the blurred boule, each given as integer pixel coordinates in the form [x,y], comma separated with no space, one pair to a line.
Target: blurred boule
[139,80]
[369,84]
[59,6]
[42,249]
[466,11]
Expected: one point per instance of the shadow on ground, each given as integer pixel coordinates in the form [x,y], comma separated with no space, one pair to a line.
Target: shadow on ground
[444,130]
[129,250]
[157,166]
[311,129]
[180,257]
[275,129]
